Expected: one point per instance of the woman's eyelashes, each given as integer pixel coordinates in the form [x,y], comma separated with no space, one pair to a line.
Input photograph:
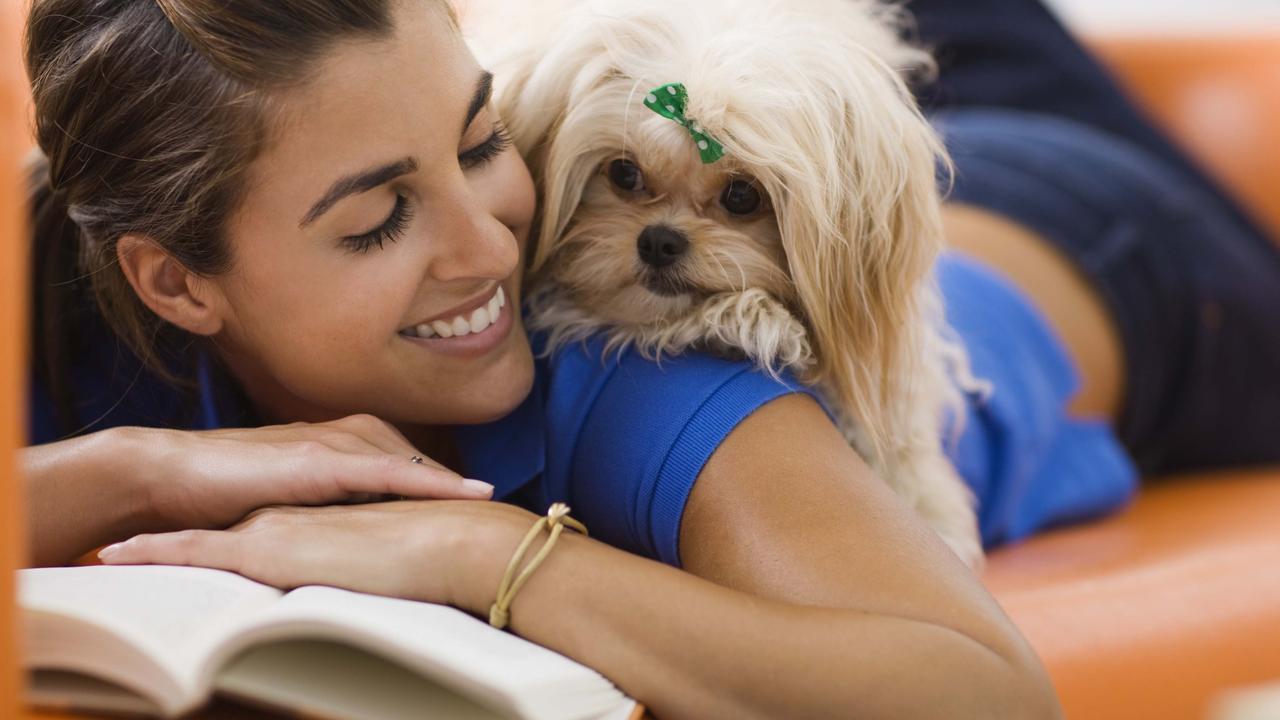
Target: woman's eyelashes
[390,230]
[498,142]
[394,226]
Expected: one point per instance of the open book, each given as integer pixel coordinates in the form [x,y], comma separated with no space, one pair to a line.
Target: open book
[160,640]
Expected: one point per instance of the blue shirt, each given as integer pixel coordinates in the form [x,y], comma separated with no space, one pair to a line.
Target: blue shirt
[619,438]
[622,439]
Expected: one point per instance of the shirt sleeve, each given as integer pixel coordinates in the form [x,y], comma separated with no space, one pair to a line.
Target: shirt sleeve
[647,429]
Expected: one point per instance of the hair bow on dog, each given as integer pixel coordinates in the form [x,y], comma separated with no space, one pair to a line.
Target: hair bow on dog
[670,101]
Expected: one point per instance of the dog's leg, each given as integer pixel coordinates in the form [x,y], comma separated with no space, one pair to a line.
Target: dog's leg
[754,323]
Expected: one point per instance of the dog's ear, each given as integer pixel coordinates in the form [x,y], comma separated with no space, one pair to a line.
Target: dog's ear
[856,192]
[550,98]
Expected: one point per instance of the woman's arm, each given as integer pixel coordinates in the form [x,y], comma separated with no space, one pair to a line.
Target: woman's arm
[106,486]
[822,595]
[82,493]
[828,598]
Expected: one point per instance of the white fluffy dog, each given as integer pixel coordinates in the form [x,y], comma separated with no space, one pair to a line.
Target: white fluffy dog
[807,247]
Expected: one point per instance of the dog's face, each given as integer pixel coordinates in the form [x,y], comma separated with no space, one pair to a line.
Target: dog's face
[657,232]
[826,199]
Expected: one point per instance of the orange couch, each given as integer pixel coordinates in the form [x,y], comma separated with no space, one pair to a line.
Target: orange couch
[13,132]
[1149,614]
[1155,612]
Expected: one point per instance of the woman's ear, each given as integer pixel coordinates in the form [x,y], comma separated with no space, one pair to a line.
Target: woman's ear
[173,292]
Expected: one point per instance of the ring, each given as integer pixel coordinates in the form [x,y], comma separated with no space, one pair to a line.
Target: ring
[417,460]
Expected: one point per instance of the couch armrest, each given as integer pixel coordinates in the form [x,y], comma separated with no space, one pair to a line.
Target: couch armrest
[1153,613]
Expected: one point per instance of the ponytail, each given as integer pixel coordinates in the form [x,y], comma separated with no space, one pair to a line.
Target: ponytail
[57,290]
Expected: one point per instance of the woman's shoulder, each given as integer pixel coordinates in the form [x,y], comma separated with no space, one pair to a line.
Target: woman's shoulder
[103,384]
[609,384]
[629,434]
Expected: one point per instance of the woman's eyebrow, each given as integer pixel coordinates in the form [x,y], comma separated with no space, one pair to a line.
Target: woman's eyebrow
[358,183]
[369,179]
[484,89]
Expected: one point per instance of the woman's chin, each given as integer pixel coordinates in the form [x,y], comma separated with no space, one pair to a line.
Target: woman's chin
[483,397]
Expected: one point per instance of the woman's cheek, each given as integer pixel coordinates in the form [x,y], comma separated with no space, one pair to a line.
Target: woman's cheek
[339,315]
[516,197]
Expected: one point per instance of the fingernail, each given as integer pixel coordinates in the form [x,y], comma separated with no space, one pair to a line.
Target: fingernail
[108,551]
[478,487]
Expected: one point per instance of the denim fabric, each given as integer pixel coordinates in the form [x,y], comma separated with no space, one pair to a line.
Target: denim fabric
[1014,54]
[1043,135]
[1195,294]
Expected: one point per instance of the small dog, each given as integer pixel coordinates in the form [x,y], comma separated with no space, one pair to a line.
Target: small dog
[807,247]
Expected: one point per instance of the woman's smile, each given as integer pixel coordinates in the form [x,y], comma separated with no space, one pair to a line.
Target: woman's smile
[471,329]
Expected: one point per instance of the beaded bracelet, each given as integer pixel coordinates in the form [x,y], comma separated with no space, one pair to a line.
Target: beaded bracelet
[556,519]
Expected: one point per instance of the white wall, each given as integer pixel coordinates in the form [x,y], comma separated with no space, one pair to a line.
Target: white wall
[1170,16]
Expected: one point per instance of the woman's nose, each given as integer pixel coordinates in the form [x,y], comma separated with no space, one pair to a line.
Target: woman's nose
[471,243]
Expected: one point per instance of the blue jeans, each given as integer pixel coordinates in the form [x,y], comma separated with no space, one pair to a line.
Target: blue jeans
[1194,293]
[1042,135]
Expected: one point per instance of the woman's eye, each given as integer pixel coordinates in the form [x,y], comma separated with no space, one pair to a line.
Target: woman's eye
[389,231]
[625,175]
[491,148]
[740,197]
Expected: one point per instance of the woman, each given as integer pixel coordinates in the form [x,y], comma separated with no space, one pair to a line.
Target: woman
[297,183]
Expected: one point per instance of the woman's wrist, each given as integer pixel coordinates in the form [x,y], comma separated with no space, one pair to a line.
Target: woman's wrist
[84,492]
[131,458]
[483,552]
[116,470]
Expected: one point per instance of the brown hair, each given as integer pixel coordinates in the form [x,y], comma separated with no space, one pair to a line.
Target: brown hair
[148,114]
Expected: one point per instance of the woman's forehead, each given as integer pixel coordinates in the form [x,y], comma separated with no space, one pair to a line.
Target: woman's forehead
[373,100]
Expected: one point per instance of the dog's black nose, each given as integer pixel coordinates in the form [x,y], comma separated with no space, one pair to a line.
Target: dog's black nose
[660,245]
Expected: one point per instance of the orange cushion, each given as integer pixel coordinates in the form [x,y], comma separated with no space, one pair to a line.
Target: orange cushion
[1219,96]
[1152,613]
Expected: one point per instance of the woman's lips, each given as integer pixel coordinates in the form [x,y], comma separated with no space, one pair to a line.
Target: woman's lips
[474,319]
[471,333]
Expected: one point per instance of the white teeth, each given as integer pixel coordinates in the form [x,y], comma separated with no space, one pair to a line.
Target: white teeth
[479,320]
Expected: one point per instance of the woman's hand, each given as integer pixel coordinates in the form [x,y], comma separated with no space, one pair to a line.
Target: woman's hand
[443,552]
[213,478]
[105,486]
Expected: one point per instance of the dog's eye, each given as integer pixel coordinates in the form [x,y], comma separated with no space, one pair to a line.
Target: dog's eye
[740,197]
[626,175]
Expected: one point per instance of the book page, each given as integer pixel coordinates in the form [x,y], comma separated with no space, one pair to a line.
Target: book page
[511,675]
[173,616]
[325,679]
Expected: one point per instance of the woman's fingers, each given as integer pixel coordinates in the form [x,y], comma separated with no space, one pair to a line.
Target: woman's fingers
[257,556]
[203,548]
[216,477]
[337,475]
[364,548]
[377,432]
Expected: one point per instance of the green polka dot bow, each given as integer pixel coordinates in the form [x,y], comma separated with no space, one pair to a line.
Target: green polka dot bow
[670,101]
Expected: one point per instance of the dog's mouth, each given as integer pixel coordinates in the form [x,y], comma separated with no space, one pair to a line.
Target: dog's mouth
[666,284]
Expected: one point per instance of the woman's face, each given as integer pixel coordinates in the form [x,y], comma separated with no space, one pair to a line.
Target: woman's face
[386,208]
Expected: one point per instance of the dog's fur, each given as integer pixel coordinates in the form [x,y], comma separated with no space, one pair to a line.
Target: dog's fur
[830,279]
